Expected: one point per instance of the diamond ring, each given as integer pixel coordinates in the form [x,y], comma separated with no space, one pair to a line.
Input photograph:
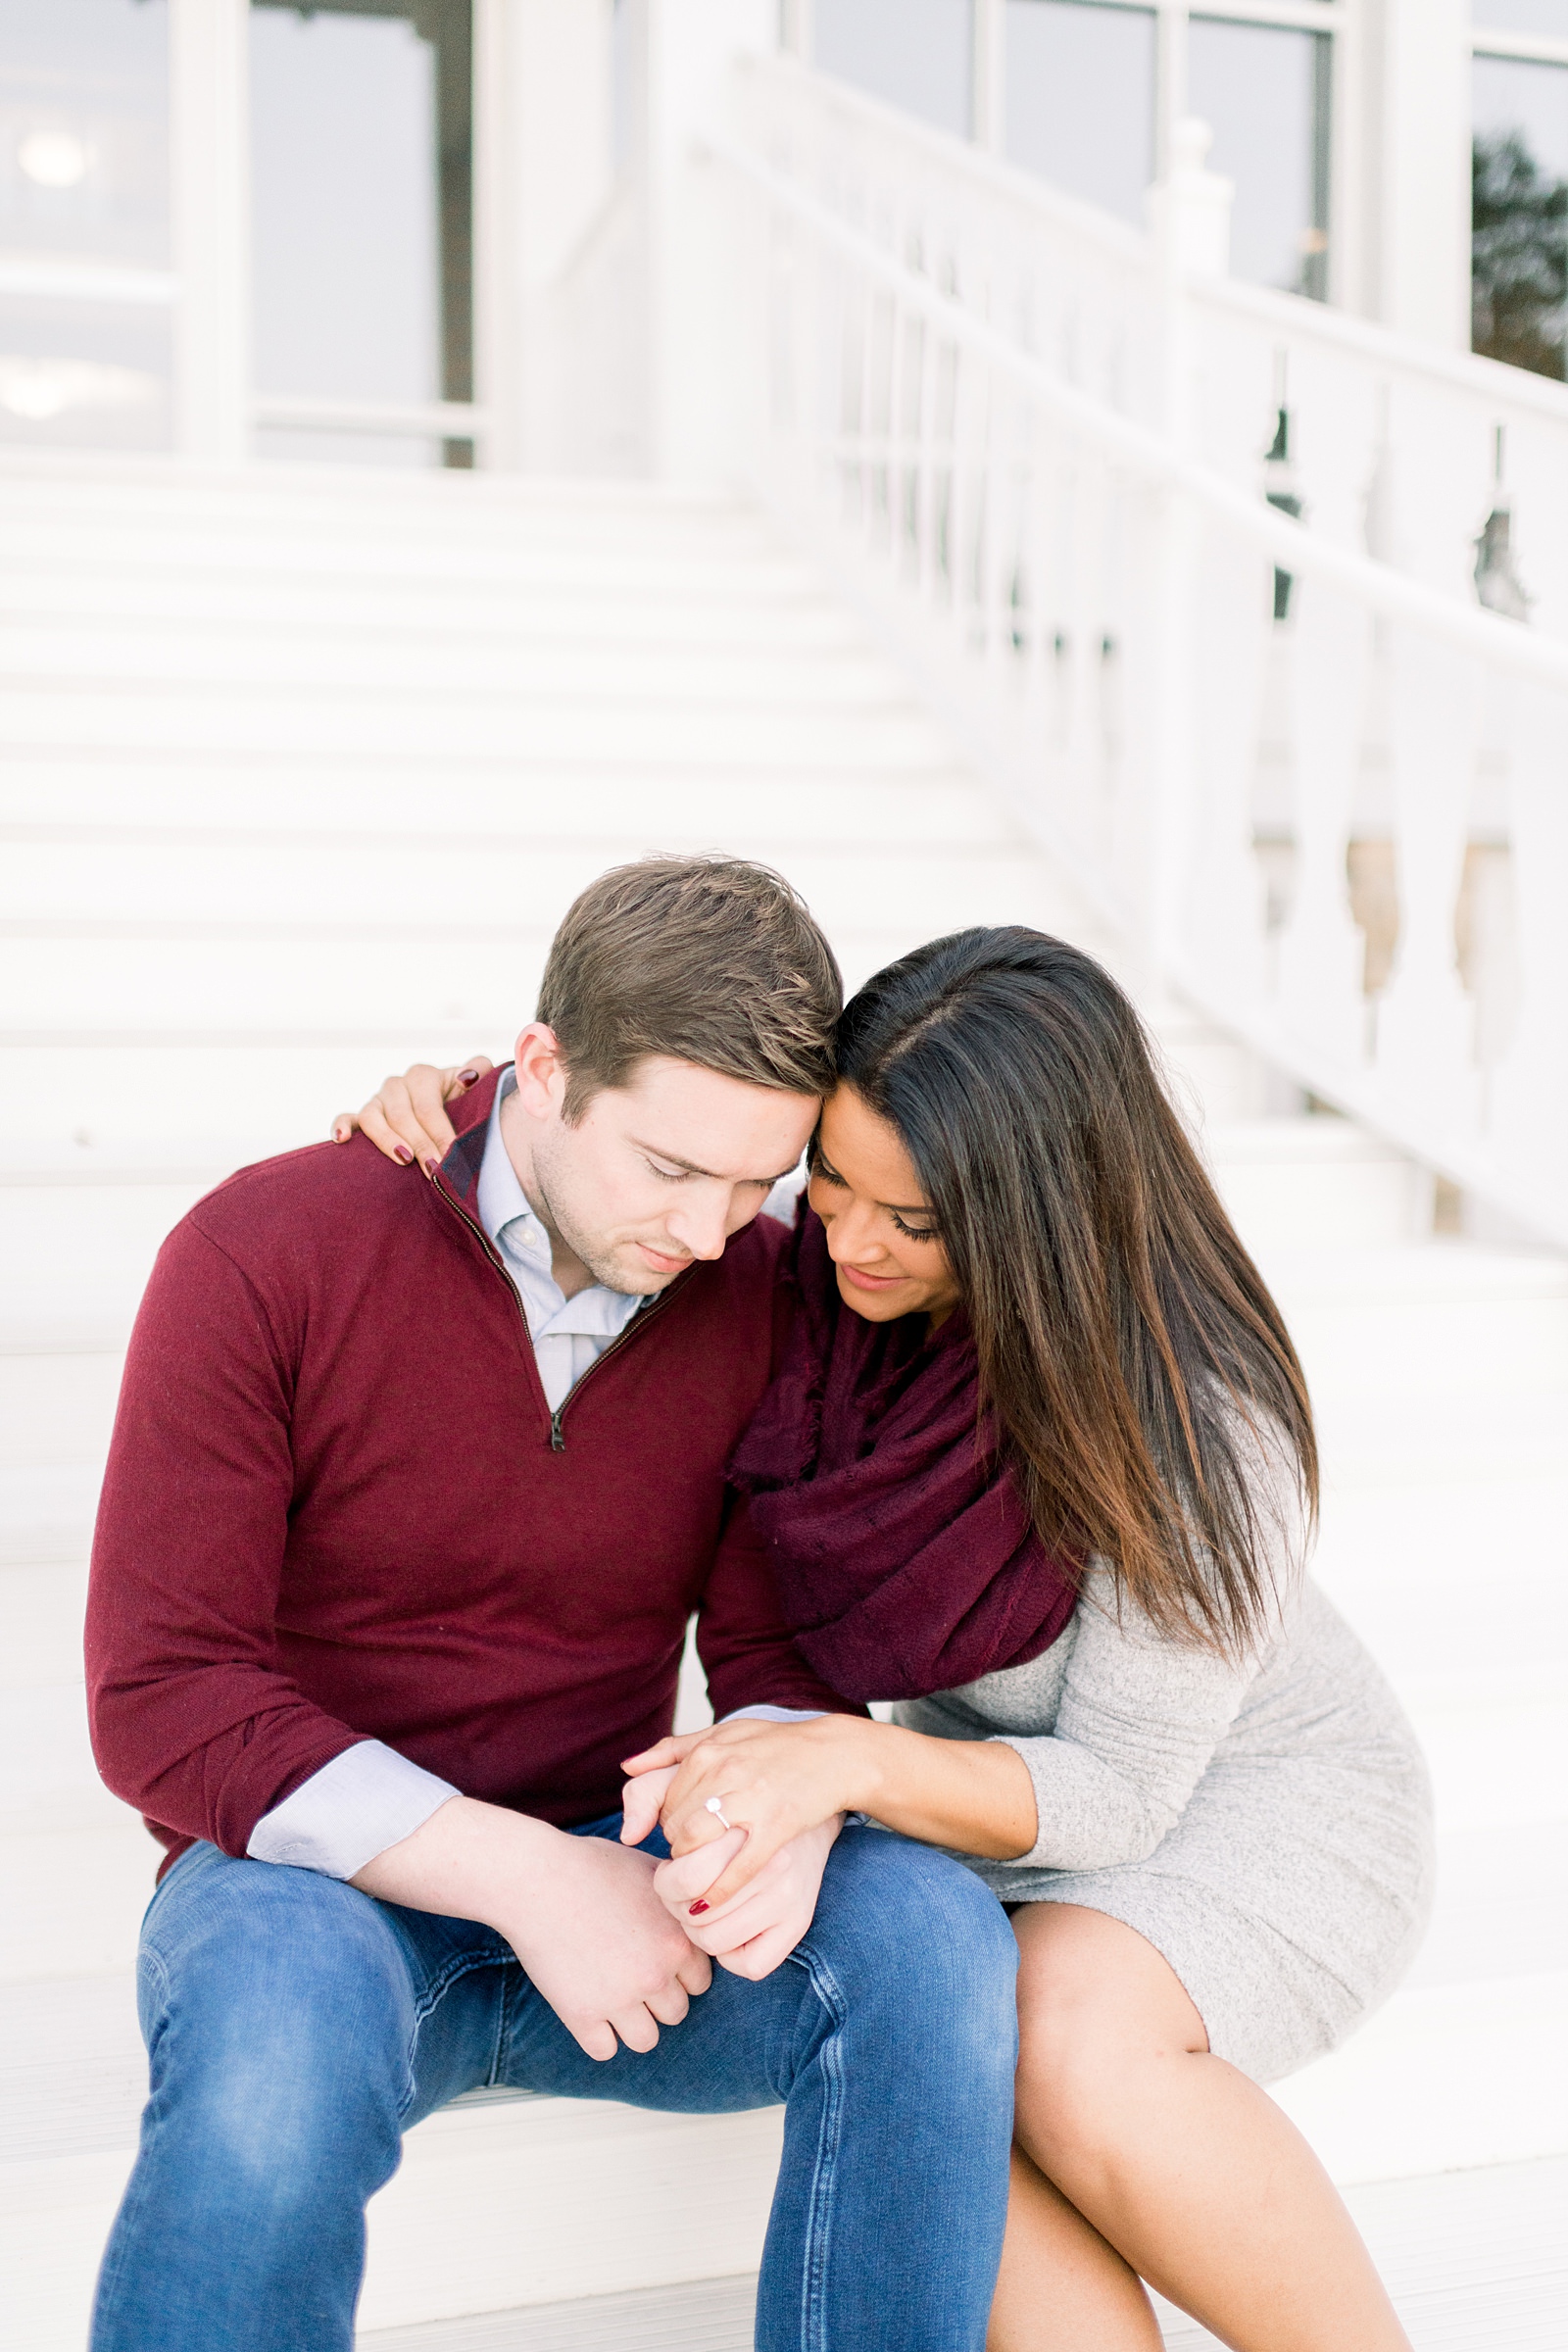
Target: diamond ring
[715,1806]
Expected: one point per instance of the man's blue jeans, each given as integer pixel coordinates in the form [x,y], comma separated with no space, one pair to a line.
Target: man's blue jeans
[297,2027]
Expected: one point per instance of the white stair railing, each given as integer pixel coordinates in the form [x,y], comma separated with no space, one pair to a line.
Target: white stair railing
[1258,614]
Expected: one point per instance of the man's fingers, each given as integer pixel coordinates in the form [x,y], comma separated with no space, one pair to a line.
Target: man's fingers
[640,1801]
[638,2027]
[670,2002]
[696,1972]
[664,1752]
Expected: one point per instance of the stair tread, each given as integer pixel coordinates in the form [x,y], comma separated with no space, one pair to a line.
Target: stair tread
[1475,2261]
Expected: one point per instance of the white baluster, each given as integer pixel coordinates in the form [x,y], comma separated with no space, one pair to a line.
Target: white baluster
[1322,952]
[1424,1024]
[1224,927]
[1526,1132]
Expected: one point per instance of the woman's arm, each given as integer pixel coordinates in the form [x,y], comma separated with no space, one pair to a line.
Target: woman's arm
[1140,1718]
[775,1781]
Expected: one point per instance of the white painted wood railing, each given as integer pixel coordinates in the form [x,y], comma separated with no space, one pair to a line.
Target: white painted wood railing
[1314,769]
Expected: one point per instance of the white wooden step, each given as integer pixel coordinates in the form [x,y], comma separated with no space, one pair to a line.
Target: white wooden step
[736,612]
[334,718]
[308,658]
[487,803]
[1476,2262]
[527,2202]
[1318,1182]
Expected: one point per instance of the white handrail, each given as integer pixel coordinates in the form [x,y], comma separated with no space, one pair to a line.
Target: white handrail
[1227,593]
[1386,591]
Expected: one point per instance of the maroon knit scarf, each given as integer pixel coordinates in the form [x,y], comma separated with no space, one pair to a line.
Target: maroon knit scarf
[905,1558]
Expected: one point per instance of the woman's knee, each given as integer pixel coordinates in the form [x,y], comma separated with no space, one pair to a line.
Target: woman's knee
[1097,2006]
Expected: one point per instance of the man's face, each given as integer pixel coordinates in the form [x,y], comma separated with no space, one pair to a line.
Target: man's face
[656,1172]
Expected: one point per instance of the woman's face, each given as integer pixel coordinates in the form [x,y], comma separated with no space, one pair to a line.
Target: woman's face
[879,1230]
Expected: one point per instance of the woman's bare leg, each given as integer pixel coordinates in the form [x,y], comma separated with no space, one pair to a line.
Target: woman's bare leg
[1062,2287]
[1178,2160]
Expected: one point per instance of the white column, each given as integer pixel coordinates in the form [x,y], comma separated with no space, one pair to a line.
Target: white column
[796,28]
[692,360]
[1418,120]
[989,127]
[544,173]
[209,161]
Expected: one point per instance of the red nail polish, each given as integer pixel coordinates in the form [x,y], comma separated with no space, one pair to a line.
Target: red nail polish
[433,1167]
[694,1908]
[467,1077]
[401,1152]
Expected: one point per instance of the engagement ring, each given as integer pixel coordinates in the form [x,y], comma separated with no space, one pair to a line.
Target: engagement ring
[715,1806]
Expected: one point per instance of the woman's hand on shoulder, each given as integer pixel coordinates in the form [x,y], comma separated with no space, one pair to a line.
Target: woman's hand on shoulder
[406,1118]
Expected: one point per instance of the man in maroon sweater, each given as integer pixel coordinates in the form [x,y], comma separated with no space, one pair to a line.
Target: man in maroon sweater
[373,1622]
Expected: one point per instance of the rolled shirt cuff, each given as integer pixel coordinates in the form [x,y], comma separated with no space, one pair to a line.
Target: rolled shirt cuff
[767,1712]
[367,1798]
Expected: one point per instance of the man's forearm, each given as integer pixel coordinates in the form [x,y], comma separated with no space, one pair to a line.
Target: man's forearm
[467,1861]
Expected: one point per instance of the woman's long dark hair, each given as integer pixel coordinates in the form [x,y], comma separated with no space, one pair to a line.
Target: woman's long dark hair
[1127,1345]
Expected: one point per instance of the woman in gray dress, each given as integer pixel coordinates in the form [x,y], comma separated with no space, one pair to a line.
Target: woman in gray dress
[1050,1483]
[1202,1797]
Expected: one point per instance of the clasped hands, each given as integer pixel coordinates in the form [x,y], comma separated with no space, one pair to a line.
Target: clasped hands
[746,1894]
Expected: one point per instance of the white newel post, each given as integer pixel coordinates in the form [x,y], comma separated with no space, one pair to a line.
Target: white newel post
[210,155]
[1189,215]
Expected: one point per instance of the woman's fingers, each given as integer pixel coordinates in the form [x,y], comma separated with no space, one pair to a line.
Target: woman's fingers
[407,1120]
[429,1091]
[390,1123]
[761,1954]
[683,1883]
[679,1882]
[459,1077]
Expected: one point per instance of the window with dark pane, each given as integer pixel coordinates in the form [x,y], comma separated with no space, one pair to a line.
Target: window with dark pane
[362,142]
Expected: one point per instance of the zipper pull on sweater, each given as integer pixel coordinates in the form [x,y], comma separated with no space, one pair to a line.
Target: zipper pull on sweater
[557,1436]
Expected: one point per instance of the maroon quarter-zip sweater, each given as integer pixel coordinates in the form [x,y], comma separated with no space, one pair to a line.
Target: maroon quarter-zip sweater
[336,1508]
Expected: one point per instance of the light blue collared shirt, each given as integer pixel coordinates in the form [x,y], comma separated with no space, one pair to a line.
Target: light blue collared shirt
[569,1334]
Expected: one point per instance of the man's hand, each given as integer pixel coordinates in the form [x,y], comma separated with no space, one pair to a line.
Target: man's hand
[582,1915]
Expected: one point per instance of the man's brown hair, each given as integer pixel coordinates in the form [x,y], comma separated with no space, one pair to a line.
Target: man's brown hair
[708,959]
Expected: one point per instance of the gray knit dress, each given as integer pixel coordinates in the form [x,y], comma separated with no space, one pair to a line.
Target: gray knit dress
[1266,1826]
